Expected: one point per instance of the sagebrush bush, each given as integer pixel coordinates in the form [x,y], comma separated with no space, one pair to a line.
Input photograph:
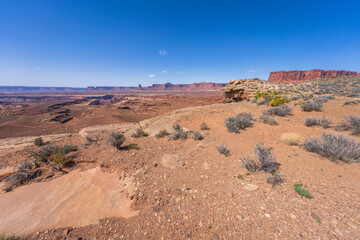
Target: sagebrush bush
[223,150]
[275,179]
[179,133]
[54,154]
[352,102]
[281,111]
[312,106]
[25,172]
[324,98]
[292,139]
[266,160]
[197,136]
[267,118]
[139,133]
[116,140]
[204,126]
[240,121]
[352,123]
[314,121]
[334,147]
[162,134]
[39,142]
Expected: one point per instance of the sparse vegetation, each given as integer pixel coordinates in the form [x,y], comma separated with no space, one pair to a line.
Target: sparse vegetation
[54,154]
[204,126]
[292,139]
[162,134]
[312,106]
[240,121]
[197,136]
[270,98]
[352,123]
[4,236]
[334,147]
[323,98]
[266,160]
[139,133]
[179,133]
[352,102]
[25,172]
[265,117]
[223,150]
[281,111]
[116,140]
[275,179]
[313,121]
[302,191]
[39,142]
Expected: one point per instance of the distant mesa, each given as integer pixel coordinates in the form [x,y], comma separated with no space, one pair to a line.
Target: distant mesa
[307,75]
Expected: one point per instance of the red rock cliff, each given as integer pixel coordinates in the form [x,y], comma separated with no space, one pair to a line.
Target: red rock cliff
[303,76]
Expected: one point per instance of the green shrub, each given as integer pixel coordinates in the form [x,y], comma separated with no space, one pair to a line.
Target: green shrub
[270,98]
[39,142]
[116,140]
[162,134]
[139,133]
[302,191]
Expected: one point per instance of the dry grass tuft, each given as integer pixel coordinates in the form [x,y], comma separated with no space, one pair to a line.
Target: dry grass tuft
[292,139]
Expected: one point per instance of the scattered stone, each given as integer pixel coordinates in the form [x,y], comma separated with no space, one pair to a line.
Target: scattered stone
[250,187]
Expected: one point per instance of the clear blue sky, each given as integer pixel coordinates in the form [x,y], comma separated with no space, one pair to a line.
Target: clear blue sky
[81,43]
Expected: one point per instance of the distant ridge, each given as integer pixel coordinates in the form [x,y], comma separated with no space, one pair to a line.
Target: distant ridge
[307,75]
[202,86]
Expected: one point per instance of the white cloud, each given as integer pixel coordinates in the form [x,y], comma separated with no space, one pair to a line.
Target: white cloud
[163,52]
[151,75]
[164,71]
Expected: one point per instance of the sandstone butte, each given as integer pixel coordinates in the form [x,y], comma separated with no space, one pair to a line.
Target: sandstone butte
[307,75]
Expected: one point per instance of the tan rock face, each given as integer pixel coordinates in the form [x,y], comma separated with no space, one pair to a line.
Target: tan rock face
[240,90]
[303,76]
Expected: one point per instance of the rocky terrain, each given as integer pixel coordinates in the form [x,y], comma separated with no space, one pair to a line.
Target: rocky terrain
[197,183]
[303,76]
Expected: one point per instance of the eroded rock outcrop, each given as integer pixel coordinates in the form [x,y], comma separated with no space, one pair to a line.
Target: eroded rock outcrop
[303,76]
[240,90]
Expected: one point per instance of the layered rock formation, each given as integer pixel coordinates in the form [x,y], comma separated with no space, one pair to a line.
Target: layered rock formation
[240,90]
[303,76]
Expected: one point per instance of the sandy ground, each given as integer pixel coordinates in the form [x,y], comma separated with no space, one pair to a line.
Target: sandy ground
[185,189]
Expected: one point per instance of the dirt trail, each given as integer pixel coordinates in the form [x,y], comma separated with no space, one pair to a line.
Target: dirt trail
[76,199]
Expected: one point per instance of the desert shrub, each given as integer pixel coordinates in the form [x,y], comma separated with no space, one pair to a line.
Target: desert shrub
[240,121]
[197,136]
[25,172]
[323,98]
[270,98]
[39,142]
[204,126]
[352,102]
[334,147]
[250,164]
[266,160]
[162,133]
[312,106]
[45,152]
[179,133]
[267,118]
[302,191]
[4,236]
[313,121]
[281,111]
[352,123]
[223,150]
[116,140]
[139,133]
[275,179]
[292,139]
[67,148]
[133,146]
[354,95]
[90,139]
